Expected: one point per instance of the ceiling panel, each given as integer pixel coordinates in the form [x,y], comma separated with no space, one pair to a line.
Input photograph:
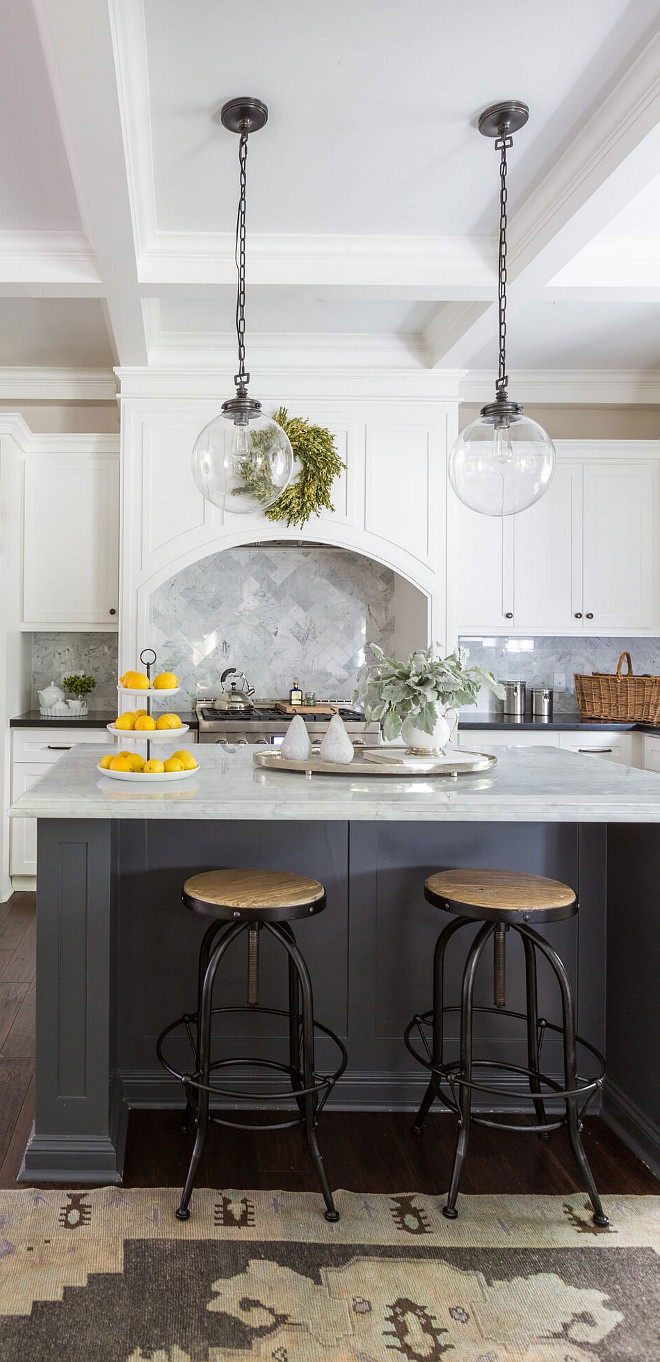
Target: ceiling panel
[598,335]
[59,331]
[371,105]
[266,313]
[37,193]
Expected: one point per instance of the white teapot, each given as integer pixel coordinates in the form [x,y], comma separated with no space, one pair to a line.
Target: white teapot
[51,695]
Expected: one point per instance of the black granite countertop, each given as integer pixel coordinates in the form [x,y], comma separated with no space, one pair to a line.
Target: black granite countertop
[95,718]
[562,723]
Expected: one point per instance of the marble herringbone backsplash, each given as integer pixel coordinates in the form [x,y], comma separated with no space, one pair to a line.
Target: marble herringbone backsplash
[274,612]
[535,660]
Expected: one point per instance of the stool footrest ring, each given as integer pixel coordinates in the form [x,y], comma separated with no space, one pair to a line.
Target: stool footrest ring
[449,1073]
[320,1088]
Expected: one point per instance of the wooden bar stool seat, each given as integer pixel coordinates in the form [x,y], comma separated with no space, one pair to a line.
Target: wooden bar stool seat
[259,895]
[250,902]
[501,896]
[503,901]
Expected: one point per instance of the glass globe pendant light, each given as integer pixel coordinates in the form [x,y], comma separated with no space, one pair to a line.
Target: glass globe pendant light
[242,461]
[503,462]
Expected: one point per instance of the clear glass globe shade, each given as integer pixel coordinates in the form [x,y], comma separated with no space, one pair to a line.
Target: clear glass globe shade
[244,467]
[498,469]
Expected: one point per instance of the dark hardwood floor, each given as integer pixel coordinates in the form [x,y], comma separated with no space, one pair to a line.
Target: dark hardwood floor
[364,1151]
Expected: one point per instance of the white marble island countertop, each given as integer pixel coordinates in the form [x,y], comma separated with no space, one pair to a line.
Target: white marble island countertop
[533,784]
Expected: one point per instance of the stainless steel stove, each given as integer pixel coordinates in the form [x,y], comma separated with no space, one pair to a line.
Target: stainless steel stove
[266,724]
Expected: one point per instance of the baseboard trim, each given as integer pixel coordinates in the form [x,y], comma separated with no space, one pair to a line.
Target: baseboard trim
[632,1125]
[355,1091]
[79,1158]
[24,884]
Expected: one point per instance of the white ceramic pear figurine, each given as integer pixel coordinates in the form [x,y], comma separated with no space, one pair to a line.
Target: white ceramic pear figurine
[336,745]
[296,745]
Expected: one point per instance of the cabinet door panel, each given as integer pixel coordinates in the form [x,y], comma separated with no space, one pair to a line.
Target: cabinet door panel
[547,556]
[477,569]
[619,545]
[71,539]
[402,487]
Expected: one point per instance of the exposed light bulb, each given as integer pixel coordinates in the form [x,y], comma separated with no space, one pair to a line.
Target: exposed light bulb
[502,447]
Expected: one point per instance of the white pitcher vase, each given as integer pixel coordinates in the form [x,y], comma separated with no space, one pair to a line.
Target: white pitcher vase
[420,743]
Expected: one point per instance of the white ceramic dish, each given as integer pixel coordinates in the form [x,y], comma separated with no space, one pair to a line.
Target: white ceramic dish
[151,777]
[154,693]
[144,734]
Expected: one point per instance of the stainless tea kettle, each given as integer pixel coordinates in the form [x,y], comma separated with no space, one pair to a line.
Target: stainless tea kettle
[236,700]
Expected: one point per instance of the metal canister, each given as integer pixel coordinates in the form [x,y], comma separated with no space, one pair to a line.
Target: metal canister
[541,702]
[514,699]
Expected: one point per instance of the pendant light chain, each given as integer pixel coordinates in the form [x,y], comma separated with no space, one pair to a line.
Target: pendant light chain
[241,379]
[501,145]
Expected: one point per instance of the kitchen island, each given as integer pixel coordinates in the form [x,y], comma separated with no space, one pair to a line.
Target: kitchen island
[116,950]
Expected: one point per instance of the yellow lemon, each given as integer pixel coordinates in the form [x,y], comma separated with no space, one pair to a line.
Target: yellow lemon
[166,681]
[126,720]
[140,713]
[124,753]
[186,758]
[137,762]
[168,721]
[173,764]
[153,767]
[105,761]
[134,681]
[144,724]
[122,762]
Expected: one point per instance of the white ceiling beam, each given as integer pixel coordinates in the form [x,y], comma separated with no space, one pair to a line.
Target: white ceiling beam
[76,37]
[48,265]
[610,158]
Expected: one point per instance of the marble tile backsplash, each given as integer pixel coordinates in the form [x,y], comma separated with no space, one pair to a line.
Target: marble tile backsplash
[55,656]
[275,613]
[535,661]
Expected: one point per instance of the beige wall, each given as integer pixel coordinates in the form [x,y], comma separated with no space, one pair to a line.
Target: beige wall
[587,423]
[68,418]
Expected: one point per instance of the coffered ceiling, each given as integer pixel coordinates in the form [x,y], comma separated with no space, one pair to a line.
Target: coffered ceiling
[372,199]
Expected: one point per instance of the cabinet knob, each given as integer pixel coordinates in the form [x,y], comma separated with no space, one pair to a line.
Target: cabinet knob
[113,611]
[509,615]
[589,615]
[578,614]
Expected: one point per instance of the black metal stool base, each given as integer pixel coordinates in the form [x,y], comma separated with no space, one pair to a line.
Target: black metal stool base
[458,1076]
[309,1088]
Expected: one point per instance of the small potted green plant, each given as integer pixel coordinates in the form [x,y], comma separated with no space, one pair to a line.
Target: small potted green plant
[419,699]
[76,689]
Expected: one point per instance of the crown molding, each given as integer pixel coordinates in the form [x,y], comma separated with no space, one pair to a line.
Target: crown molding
[569,387]
[289,382]
[57,385]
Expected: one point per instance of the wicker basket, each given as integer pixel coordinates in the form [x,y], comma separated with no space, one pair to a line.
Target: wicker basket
[625,698]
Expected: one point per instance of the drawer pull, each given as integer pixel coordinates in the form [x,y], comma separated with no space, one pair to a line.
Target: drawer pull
[595,750]
[52,747]
[509,615]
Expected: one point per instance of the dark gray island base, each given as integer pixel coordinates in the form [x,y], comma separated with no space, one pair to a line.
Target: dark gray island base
[117,960]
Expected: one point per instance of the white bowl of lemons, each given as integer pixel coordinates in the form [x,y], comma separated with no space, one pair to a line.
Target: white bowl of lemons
[131,766]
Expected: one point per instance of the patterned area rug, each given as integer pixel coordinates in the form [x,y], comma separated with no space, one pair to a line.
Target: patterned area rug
[111,1276]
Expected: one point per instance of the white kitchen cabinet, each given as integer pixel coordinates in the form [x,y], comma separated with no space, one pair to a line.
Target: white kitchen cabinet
[71,539]
[547,566]
[650,752]
[34,751]
[585,559]
[620,548]
[623,748]
[23,843]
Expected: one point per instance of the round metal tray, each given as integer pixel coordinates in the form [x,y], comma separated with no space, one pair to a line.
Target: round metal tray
[454,764]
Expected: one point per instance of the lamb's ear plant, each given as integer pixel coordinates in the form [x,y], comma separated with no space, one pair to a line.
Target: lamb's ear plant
[392,691]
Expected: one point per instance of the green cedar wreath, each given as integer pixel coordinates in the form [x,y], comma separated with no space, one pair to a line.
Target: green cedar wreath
[309,493]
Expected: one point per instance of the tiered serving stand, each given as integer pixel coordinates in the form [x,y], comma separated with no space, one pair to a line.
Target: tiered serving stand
[123,735]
